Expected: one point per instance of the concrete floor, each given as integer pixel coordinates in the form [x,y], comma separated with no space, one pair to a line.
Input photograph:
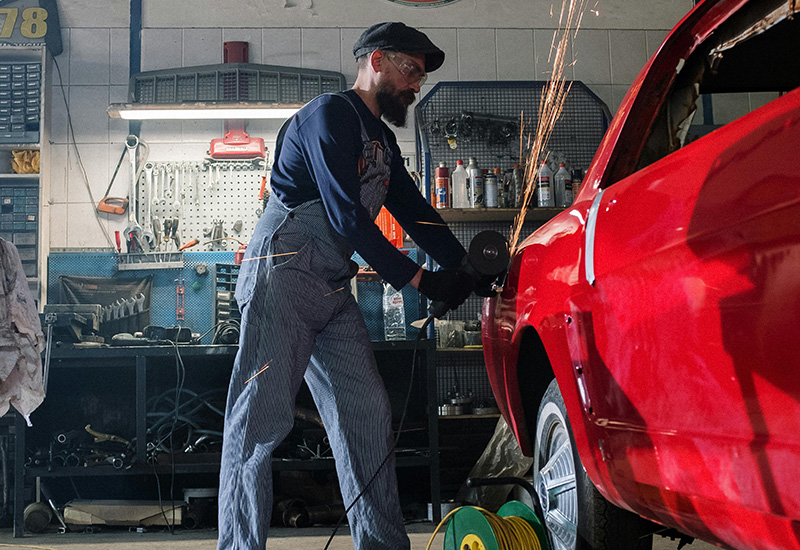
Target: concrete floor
[280,539]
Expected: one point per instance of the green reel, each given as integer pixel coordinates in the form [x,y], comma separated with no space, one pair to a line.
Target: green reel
[469,528]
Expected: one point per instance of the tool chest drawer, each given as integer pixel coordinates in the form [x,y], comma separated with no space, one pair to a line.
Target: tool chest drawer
[19,221]
[20,99]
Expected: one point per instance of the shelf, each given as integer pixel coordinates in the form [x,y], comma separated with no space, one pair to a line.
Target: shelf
[463,350]
[495,214]
[208,466]
[467,416]
[31,177]
[15,146]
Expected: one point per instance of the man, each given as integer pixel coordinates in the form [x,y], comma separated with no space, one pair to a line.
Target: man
[334,168]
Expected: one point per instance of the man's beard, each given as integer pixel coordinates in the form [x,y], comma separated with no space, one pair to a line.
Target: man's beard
[394,104]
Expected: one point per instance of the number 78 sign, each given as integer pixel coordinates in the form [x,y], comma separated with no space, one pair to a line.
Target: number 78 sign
[30,23]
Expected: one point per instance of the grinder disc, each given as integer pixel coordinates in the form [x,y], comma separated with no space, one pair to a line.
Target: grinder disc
[488,253]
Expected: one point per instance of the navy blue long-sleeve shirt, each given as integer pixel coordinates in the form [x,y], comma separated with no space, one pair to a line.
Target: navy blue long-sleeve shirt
[318,158]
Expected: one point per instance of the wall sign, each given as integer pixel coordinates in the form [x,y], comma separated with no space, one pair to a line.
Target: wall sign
[423,3]
[30,22]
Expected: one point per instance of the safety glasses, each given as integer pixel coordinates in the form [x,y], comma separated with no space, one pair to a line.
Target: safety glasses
[410,70]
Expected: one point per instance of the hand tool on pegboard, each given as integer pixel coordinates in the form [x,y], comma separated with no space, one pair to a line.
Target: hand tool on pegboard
[133,232]
[113,205]
[180,310]
[147,233]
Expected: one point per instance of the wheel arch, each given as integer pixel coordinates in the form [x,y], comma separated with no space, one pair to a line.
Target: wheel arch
[534,374]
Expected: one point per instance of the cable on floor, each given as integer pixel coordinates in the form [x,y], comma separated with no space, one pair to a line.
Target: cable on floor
[512,532]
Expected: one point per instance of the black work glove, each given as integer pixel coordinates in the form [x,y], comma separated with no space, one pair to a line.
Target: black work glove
[483,286]
[450,286]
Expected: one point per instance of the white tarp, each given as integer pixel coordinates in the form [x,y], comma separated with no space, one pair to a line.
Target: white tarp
[21,338]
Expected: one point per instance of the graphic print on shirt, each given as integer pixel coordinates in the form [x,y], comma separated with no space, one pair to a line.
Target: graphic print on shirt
[374,171]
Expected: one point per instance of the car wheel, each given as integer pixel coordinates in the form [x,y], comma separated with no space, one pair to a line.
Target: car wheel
[576,515]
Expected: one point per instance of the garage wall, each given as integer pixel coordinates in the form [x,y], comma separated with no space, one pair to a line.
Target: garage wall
[613,44]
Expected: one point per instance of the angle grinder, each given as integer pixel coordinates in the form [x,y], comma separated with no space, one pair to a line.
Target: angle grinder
[486,261]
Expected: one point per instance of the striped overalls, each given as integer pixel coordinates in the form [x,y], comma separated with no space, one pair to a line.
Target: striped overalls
[300,319]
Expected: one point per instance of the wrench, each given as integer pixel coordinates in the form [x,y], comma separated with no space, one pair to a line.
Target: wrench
[132,144]
[148,222]
[139,298]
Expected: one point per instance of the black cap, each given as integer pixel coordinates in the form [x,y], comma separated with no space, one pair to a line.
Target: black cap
[399,37]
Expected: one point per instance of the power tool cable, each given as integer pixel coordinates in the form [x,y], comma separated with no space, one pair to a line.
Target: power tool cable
[420,334]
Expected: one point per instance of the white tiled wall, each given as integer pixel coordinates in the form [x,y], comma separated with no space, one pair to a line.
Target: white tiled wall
[94,67]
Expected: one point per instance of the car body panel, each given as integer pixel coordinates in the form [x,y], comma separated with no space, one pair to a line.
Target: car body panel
[677,365]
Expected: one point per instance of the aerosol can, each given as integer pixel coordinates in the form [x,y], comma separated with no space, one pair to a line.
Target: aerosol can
[544,179]
[475,183]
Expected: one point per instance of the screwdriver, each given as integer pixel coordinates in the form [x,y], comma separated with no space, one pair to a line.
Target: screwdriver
[190,244]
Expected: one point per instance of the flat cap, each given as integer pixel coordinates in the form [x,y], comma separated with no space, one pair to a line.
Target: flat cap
[399,37]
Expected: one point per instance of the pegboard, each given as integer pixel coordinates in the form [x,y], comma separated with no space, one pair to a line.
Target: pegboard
[198,297]
[466,371]
[458,120]
[200,194]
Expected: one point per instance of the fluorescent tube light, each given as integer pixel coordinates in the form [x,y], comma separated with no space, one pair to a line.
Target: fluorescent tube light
[196,111]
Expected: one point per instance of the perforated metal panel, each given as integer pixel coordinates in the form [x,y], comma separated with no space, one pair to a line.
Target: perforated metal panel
[484,120]
[233,82]
[163,300]
[200,194]
[466,371]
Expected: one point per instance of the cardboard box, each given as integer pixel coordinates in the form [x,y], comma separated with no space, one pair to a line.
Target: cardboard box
[122,512]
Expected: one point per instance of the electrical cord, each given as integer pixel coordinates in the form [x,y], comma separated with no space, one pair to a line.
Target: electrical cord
[511,532]
[420,334]
[227,332]
[71,136]
[180,378]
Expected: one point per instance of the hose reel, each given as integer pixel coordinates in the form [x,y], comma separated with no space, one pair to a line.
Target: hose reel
[514,527]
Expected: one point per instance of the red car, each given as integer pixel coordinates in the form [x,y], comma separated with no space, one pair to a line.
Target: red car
[644,348]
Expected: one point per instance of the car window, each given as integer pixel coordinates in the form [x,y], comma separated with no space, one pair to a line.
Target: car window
[747,62]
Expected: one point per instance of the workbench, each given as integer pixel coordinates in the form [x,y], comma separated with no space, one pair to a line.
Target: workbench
[109,387]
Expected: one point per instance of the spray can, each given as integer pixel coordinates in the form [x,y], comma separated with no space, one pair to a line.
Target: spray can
[562,183]
[502,188]
[490,189]
[458,183]
[544,194]
[442,186]
[475,184]
[517,186]
[577,178]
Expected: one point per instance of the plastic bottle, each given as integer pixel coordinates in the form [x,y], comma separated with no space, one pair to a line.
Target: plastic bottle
[490,189]
[458,183]
[517,186]
[394,313]
[475,183]
[442,186]
[544,179]
[562,184]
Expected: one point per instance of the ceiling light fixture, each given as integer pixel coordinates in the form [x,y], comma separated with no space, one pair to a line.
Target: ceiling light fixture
[204,111]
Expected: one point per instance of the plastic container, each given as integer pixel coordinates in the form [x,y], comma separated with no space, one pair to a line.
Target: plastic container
[394,313]
[562,184]
[458,184]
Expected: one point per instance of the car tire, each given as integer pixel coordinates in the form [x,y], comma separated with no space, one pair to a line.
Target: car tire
[576,515]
